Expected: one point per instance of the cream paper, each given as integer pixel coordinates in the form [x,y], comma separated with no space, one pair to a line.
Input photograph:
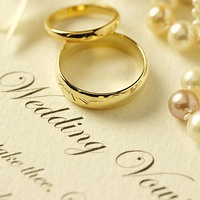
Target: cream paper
[135,152]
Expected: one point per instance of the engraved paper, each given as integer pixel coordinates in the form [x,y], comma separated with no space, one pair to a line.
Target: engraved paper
[53,149]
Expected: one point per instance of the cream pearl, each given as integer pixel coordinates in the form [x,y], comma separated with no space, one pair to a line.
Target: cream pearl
[182,103]
[191,81]
[193,126]
[196,2]
[160,18]
[172,3]
[196,13]
[196,24]
[182,36]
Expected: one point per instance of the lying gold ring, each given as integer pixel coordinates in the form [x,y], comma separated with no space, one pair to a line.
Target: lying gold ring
[81,10]
[108,100]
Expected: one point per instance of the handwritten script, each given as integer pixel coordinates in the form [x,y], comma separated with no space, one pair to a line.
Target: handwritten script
[134,163]
[19,84]
[139,161]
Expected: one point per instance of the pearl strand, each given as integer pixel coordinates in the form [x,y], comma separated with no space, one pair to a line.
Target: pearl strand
[181,35]
[184,104]
[196,15]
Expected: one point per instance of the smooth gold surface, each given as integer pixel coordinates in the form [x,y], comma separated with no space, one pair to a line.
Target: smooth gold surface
[82,10]
[108,100]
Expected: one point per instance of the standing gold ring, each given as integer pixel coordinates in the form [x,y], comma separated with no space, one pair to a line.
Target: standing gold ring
[108,100]
[81,10]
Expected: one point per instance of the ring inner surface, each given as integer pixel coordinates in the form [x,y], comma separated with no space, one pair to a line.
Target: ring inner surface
[107,65]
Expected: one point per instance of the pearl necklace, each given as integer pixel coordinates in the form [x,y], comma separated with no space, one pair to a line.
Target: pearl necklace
[196,15]
[182,35]
[184,104]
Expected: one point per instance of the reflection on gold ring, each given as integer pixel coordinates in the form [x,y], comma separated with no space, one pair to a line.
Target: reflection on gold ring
[82,10]
[108,100]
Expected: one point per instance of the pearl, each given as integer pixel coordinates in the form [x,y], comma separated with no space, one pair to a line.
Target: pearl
[172,3]
[196,2]
[160,18]
[182,103]
[196,13]
[182,36]
[193,126]
[196,25]
[191,81]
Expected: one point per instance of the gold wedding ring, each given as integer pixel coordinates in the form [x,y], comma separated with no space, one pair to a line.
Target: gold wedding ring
[108,100]
[92,39]
[81,10]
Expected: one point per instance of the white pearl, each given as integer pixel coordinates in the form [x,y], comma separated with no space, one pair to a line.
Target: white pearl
[160,18]
[182,36]
[191,81]
[196,2]
[196,24]
[196,13]
[172,3]
[193,126]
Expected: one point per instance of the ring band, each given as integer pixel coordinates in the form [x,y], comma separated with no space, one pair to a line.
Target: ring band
[81,10]
[108,100]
